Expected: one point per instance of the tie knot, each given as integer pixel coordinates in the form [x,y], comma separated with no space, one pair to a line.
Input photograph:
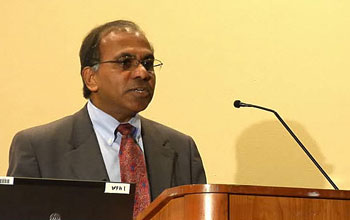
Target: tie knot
[125,129]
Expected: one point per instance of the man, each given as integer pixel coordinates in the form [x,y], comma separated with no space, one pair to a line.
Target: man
[118,73]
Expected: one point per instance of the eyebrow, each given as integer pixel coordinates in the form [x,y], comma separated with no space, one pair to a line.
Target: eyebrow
[148,56]
[125,54]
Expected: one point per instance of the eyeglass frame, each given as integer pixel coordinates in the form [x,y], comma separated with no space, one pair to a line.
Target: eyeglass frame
[118,61]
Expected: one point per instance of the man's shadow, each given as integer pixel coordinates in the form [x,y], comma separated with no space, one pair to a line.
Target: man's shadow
[268,155]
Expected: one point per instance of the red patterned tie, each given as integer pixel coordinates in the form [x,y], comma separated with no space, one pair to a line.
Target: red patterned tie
[133,167]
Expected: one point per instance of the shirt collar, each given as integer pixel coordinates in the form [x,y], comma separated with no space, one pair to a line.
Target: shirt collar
[105,124]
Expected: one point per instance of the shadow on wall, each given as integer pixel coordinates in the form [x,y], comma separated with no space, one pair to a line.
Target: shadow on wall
[268,155]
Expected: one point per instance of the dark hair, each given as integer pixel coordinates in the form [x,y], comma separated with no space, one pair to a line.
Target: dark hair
[90,48]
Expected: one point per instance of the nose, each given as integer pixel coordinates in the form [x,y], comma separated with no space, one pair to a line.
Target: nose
[141,72]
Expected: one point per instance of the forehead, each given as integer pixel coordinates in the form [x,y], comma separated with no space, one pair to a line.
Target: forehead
[115,43]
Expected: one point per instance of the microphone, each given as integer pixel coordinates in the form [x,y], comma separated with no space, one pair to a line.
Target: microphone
[239,104]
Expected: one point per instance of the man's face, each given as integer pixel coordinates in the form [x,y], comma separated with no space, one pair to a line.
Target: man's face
[123,92]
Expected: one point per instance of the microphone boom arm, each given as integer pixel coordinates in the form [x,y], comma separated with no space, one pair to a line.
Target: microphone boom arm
[241,104]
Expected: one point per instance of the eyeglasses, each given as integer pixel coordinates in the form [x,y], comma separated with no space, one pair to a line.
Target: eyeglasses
[129,63]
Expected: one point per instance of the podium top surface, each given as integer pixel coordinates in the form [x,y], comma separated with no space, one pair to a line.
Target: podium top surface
[181,191]
[255,190]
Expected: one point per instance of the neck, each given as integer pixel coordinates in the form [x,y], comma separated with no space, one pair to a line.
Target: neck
[120,116]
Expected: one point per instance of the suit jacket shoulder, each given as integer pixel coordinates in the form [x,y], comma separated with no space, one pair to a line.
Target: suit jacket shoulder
[65,149]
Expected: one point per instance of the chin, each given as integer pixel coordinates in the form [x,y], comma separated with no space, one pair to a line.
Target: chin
[140,107]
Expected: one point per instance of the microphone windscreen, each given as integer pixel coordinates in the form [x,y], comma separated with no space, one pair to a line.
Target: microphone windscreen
[237,104]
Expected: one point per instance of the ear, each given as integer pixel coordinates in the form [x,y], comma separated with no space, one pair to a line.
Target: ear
[89,77]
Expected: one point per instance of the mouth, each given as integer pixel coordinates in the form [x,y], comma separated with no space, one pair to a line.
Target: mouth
[141,91]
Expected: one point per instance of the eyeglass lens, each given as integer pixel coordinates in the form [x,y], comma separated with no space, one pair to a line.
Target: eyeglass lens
[129,62]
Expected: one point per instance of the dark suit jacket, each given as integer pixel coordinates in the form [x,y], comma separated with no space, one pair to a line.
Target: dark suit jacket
[68,149]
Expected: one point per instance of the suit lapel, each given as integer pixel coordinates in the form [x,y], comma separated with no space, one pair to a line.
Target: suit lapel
[160,157]
[85,157]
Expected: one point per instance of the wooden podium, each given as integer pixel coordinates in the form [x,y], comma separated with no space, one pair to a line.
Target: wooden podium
[235,202]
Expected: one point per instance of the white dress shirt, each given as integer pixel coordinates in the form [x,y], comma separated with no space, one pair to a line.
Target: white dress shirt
[104,126]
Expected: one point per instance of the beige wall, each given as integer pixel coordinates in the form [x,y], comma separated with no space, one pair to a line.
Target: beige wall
[292,56]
